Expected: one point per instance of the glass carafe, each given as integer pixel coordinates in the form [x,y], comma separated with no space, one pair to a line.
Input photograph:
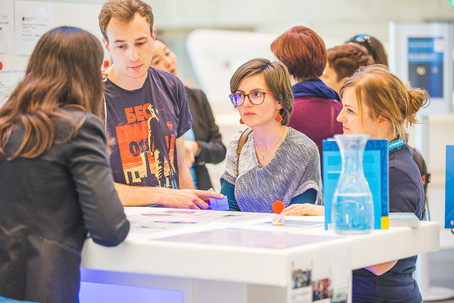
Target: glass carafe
[352,208]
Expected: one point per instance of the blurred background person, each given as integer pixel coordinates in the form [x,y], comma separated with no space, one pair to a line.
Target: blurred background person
[55,176]
[276,162]
[316,105]
[343,61]
[374,47]
[203,142]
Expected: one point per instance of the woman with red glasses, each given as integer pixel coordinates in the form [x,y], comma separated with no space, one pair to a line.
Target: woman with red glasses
[276,162]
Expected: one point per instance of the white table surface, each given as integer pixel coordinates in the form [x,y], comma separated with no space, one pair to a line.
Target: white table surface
[148,249]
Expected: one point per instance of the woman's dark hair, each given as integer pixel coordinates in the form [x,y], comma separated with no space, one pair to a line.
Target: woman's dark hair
[345,59]
[64,69]
[374,47]
[276,78]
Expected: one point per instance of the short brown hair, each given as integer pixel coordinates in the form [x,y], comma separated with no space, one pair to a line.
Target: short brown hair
[124,10]
[276,78]
[386,95]
[302,51]
[345,59]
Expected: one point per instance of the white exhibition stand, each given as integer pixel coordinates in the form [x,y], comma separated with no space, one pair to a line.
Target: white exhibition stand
[209,256]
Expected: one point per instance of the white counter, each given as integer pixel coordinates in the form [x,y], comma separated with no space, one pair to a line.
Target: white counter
[241,257]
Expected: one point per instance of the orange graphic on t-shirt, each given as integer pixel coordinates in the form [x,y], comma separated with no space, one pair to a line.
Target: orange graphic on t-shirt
[138,160]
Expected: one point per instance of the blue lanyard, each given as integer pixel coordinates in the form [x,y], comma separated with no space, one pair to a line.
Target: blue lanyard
[395,143]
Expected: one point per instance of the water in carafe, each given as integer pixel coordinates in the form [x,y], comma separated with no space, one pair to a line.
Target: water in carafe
[352,208]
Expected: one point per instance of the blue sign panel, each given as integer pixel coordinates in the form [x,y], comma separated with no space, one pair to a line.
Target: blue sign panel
[449,193]
[425,64]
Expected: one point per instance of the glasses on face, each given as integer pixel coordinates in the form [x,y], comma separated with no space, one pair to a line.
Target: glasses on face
[256,98]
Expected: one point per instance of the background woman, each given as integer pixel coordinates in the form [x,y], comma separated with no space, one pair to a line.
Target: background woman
[374,47]
[343,61]
[54,170]
[276,162]
[203,142]
[378,103]
[316,105]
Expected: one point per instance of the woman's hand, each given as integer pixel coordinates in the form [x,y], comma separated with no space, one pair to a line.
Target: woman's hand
[304,209]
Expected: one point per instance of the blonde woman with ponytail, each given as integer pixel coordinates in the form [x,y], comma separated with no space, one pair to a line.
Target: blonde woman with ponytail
[376,102]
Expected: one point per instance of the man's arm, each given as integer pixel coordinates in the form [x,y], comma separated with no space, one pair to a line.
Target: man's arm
[167,197]
[184,175]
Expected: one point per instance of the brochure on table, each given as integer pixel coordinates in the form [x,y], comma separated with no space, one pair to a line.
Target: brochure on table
[197,226]
[375,165]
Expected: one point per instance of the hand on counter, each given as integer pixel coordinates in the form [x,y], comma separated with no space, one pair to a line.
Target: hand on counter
[167,197]
[304,209]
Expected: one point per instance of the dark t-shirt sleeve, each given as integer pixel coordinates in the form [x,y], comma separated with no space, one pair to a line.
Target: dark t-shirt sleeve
[403,192]
[185,118]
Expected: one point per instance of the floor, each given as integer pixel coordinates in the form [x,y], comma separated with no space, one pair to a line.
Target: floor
[441,273]
[440,265]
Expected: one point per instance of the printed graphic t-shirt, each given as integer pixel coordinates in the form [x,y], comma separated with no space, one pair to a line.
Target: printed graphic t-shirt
[144,125]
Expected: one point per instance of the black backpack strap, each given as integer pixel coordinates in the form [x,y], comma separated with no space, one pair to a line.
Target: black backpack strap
[243,138]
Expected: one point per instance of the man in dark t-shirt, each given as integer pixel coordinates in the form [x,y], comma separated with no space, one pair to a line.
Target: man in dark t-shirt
[145,125]
[146,114]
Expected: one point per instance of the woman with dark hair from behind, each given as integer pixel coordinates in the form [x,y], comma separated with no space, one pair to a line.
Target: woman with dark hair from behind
[316,105]
[54,170]
[374,47]
[343,61]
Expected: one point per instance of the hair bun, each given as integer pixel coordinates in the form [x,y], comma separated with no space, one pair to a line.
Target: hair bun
[417,98]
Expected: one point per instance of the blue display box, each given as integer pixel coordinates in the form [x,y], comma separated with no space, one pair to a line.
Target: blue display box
[375,165]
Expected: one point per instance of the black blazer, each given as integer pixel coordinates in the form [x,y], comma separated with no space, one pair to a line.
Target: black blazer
[207,135]
[47,206]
